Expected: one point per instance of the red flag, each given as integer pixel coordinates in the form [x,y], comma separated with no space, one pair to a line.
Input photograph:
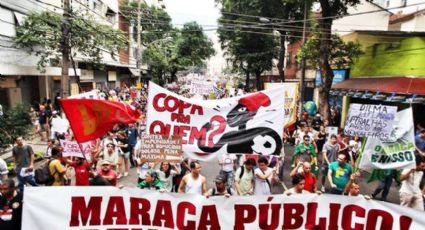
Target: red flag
[90,119]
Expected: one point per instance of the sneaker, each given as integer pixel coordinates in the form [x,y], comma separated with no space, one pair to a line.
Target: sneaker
[322,189]
[126,174]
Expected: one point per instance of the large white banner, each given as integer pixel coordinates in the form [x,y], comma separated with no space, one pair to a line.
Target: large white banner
[252,123]
[395,152]
[290,92]
[133,208]
[366,120]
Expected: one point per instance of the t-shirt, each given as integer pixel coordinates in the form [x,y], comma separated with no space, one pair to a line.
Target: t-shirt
[293,192]
[310,182]
[167,182]
[56,168]
[411,184]
[340,175]
[331,152]
[228,162]
[245,182]
[304,153]
[262,187]
[108,174]
[11,212]
[132,136]
[3,167]
[81,174]
[420,142]
[112,158]
[22,156]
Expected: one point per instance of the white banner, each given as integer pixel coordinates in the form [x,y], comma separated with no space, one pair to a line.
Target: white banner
[290,92]
[133,208]
[370,120]
[72,149]
[252,123]
[395,152]
[201,87]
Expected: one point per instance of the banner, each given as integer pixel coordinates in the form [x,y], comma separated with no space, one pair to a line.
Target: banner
[395,152]
[71,148]
[90,119]
[290,92]
[132,208]
[370,120]
[251,123]
[201,87]
[156,148]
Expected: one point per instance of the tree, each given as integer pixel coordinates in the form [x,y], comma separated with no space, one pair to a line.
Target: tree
[249,48]
[15,122]
[41,34]
[331,9]
[342,54]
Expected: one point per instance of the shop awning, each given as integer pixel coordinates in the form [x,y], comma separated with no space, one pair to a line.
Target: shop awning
[399,85]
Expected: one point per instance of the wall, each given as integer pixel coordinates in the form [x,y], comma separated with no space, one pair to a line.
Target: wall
[407,59]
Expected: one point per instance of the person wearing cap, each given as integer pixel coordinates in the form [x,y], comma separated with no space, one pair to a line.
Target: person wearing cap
[220,188]
[152,182]
[57,170]
[106,172]
[10,206]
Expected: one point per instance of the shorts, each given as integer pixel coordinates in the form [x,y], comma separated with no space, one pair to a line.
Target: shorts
[126,155]
[324,168]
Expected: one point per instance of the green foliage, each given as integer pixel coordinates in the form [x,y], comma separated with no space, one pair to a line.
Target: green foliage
[41,34]
[16,121]
[341,54]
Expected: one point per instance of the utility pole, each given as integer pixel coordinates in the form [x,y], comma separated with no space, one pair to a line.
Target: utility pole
[66,49]
[302,80]
[139,40]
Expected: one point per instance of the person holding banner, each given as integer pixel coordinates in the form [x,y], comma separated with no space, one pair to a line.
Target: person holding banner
[244,178]
[339,174]
[107,173]
[298,182]
[166,175]
[410,192]
[194,182]
[152,182]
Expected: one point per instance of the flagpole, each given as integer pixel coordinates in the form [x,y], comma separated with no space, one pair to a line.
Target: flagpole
[356,167]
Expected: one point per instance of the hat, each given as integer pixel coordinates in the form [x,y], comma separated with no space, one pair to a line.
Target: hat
[105,162]
[219,179]
[254,101]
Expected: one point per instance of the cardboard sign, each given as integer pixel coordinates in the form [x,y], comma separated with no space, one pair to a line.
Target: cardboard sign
[157,148]
[370,120]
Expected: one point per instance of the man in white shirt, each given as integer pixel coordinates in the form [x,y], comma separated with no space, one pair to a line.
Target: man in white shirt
[263,177]
[410,192]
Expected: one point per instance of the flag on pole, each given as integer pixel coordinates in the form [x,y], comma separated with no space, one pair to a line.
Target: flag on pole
[90,119]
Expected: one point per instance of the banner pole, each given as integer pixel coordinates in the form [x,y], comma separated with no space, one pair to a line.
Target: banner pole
[356,167]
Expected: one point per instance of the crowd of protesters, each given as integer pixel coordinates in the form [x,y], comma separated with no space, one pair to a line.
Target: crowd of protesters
[322,162]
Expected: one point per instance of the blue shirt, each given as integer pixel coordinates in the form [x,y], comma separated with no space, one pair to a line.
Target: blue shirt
[420,142]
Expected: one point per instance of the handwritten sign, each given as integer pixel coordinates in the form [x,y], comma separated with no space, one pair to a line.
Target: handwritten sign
[71,148]
[157,148]
[370,120]
[201,87]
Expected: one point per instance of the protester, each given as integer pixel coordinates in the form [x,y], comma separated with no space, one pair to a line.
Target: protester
[339,174]
[298,182]
[107,173]
[166,175]
[82,171]
[10,206]
[263,177]
[330,152]
[184,169]
[320,139]
[123,151]
[420,142]
[132,135]
[227,163]
[111,155]
[410,192]
[194,182]
[220,188]
[57,170]
[50,145]
[317,122]
[152,182]
[43,118]
[353,188]
[354,147]
[3,170]
[23,159]
[385,183]
[305,152]
[310,180]
[244,178]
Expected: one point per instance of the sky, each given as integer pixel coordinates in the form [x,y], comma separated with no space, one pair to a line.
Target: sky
[203,12]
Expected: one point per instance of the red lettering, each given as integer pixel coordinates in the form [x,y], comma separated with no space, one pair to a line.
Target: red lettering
[115,209]
[311,218]
[333,216]
[183,134]
[163,129]
[199,135]
[264,215]
[405,222]
[209,217]
[372,219]
[79,209]
[156,105]
[181,209]
[241,218]
[347,217]
[164,212]
[219,130]
[184,105]
[174,106]
[292,212]
[139,208]
[197,108]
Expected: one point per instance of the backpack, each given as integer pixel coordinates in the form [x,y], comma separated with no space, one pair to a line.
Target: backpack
[242,171]
[229,191]
[42,174]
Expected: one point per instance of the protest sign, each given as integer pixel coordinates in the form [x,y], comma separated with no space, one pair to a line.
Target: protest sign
[290,92]
[132,208]
[71,148]
[395,152]
[331,130]
[370,120]
[157,148]
[252,123]
[201,87]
